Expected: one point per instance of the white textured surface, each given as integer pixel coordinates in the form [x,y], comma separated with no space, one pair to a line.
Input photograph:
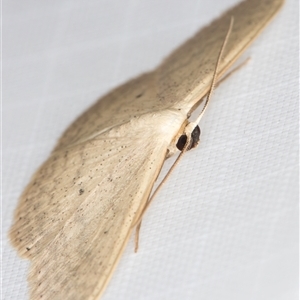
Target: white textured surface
[225,226]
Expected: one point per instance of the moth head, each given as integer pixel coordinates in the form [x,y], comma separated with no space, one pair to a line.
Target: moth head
[194,140]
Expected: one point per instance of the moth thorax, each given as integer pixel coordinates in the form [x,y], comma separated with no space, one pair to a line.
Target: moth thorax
[195,137]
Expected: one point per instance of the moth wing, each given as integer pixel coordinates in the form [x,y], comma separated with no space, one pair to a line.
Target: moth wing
[45,201]
[183,79]
[82,204]
[185,76]
[126,102]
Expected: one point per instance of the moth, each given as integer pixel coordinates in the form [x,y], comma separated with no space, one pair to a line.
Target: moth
[77,213]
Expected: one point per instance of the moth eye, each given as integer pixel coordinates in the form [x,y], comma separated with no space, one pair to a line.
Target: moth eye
[195,137]
[181,142]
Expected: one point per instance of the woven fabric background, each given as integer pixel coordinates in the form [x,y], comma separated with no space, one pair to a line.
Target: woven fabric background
[225,226]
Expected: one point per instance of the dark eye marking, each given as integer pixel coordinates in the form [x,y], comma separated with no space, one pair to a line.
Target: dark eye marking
[195,137]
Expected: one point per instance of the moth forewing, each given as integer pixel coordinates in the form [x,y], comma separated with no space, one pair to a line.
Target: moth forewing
[75,216]
[185,76]
[114,195]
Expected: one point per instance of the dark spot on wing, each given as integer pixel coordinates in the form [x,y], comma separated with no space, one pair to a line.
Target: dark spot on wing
[139,95]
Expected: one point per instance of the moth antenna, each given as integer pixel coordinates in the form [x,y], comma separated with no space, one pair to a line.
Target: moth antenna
[188,131]
[138,222]
[190,127]
[233,71]
[214,79]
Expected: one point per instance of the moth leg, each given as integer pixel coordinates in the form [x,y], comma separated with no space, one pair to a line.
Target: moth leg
[233,71]
[138,223]
[137,236]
